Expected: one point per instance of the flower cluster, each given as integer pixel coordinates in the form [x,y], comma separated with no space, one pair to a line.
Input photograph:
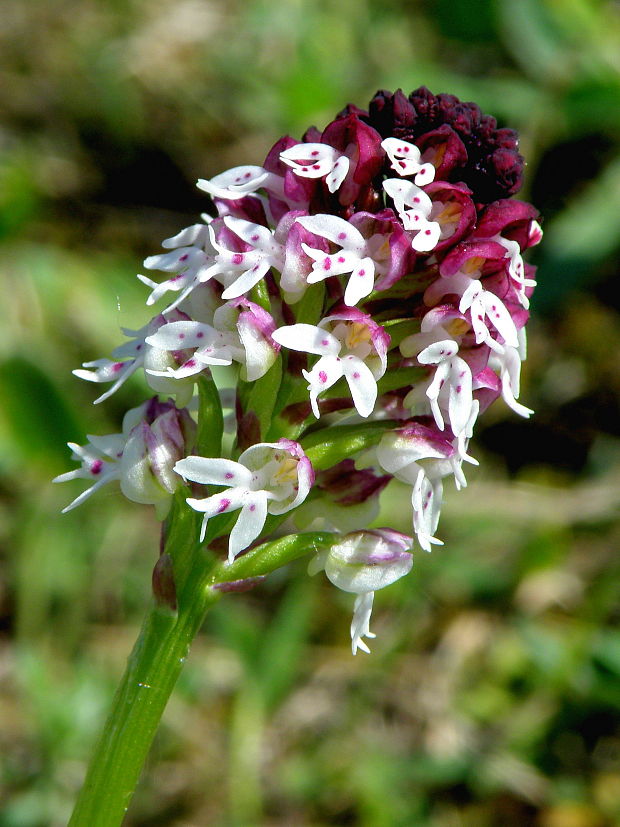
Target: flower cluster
[366,284]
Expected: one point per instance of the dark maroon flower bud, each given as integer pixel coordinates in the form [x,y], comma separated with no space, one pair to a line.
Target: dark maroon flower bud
[348,486]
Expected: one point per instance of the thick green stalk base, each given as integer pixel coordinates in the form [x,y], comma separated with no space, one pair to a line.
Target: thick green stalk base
[152,672]
[157,660]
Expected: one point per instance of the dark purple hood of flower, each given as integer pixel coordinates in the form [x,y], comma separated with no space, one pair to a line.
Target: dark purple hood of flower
[478,153]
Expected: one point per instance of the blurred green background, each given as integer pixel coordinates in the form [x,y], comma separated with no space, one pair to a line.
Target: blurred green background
[492,694]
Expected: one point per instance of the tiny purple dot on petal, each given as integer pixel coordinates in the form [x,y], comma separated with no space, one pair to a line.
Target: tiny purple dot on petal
[327,264]
[316,166]
[322,376]
[361,272]
[184,257]
[416,200]
[252,507]
[459,388]
[247,175]
[314,153]
[342,236]
[191,363]
[254,238]
[96,467]
[237,258]
[224,503]
[200,334]
[324,342]
[341,259]
[356,375]
[229,475]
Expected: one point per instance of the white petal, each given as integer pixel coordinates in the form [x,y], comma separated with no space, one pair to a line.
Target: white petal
[182,335]
[361,282]
[500,318]
[334,229]
[89,491]
[307,338]
[181,259]
[254,234]
[213,471]
[323,375]
[360,625]
[361,383]
[249,524]
[427,238]
[247,280]
[230,500]
[460,395]
[309,152]
[426,502]
[338,173]
[438,352]
[330,264]
[197,233]
[235,182]
[425,175]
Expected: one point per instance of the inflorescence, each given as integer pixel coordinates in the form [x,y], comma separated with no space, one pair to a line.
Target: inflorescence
[371,272]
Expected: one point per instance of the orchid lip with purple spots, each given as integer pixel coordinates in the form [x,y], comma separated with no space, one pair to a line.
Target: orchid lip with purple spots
[269,478]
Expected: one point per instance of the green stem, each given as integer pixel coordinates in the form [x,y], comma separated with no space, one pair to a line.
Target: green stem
[150,676]
[154,666]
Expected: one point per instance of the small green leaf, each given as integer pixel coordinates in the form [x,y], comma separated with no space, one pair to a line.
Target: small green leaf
[310,308]
[260,397]
[260,295]
[210,418]
[327,447]
[400,378]
[272,555]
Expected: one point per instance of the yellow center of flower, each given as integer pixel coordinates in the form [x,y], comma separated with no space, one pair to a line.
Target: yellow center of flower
[357,334]
[450,214]
[287,471]
[473,265]
[457,327]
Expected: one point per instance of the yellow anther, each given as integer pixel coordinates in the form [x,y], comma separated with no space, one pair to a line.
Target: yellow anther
[357,334]
[287,472]
[451,213]
[473,264]
[457,327]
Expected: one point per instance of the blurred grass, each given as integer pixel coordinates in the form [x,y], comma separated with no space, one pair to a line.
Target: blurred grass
[491,697]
